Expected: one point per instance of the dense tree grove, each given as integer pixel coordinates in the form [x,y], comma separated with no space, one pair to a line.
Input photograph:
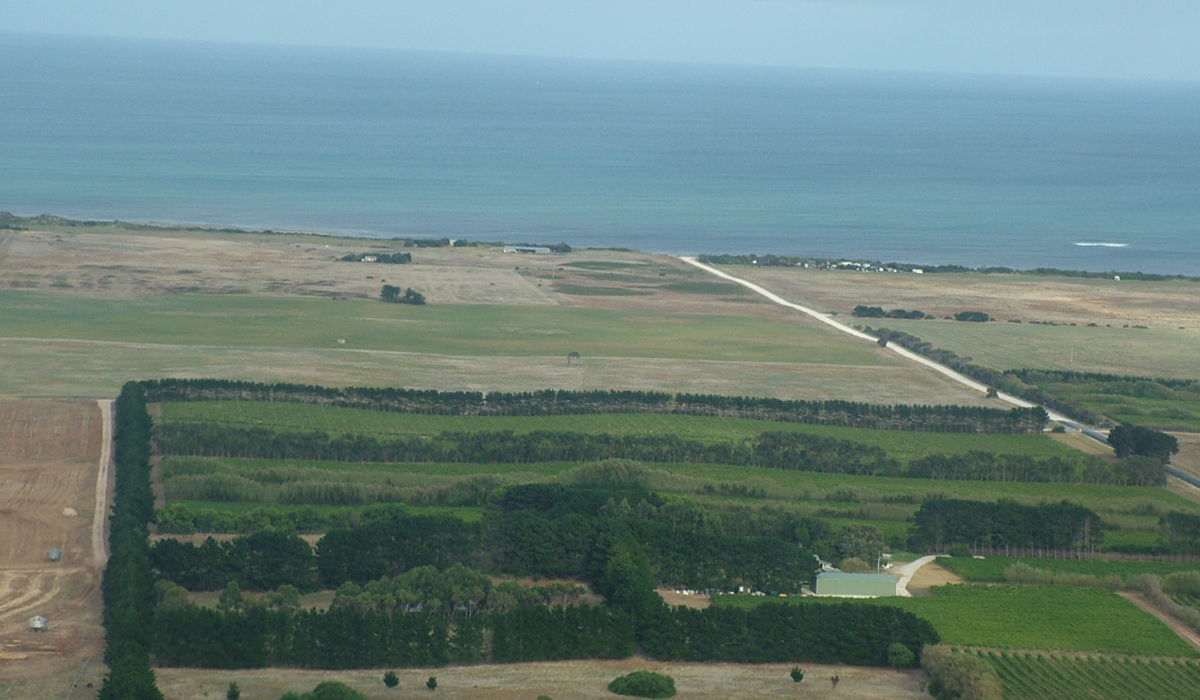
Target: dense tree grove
[1130,440]
[536,530]
[429,615]
[1179,533]
[943,522]
[263,560]
[943,418]
[128,584]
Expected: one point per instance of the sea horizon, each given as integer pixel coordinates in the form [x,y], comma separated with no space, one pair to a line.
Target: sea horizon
[979,171]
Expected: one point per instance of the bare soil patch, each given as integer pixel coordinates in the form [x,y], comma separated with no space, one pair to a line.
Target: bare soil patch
[49,455]
[567,680]
[698,601]
[930,575]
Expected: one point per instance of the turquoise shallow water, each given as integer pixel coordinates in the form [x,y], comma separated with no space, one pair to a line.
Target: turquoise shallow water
[666,158]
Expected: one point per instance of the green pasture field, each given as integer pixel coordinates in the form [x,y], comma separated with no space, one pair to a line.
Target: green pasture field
[464,513]
[884,503]
[795,486]
[991,569]
[1155,352]
[1058,618]
[244,320]
[902,444]
[1027,676]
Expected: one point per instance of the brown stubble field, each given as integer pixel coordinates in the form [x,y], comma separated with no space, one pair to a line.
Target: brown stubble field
[563,680]
[49,452]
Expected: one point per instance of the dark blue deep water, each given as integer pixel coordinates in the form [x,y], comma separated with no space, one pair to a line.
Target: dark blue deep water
[660,157]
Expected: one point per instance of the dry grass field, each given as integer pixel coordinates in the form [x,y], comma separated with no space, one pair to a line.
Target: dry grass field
[1168,313]
[49,453]
[566,680]
[91,309]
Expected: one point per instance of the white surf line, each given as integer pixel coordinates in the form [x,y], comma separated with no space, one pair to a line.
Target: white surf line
[100,511]
[903,352]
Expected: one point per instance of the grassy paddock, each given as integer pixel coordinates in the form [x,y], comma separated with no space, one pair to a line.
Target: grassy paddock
[884,503]
[1055,618]
[483,330]
[1156,352]
[904,445]
[991,569]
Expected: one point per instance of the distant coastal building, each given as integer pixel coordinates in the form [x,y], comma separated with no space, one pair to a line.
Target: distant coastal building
[528,249]
[836,583]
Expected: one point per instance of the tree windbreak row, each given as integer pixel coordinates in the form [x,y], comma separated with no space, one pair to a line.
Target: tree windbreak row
[949,419]
[128,585]
[1066,526]
[347,637]
[774,450]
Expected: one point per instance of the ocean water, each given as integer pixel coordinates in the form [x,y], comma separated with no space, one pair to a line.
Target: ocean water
[660,157]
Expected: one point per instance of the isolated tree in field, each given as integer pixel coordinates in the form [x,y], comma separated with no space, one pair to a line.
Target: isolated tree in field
[572,358]
[1139,440]
[900,656]
[233,692]
[390,293]
[431,683]
[797,674]
[390,679]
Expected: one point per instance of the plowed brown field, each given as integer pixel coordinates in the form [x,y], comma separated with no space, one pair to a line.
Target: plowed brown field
[49,459]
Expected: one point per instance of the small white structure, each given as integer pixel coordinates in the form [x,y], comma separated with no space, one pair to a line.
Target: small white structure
[918,271]
[37,623]
[529,249]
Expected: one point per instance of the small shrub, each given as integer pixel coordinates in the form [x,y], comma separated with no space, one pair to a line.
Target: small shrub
[797,674]
[390,679]
[431,683]
[644,684]
[900,656]
[233,692]
[960,550]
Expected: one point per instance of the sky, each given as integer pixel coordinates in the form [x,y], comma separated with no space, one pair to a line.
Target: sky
[1147,39]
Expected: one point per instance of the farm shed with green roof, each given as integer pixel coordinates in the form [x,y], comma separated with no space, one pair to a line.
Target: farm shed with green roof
[836,583]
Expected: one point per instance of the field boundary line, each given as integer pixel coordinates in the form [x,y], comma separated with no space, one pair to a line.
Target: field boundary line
[100,511]
[903,352]
[1184,632]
